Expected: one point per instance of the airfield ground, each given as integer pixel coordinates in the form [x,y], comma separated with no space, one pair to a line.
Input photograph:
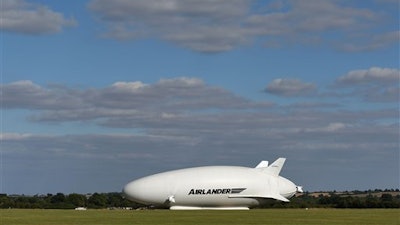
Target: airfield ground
[257,216]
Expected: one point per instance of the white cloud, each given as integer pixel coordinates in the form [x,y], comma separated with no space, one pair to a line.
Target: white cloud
[290,87]
[128,86]
[22,17]
[121,99]
[375,84]
[180,122]
[198,25]
[217,26]
[28,95]
[376,41]
[182,82]
[237,138]
[13,136]
[371,75]
[332,127]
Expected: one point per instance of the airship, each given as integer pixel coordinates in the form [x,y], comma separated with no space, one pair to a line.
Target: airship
[213,187]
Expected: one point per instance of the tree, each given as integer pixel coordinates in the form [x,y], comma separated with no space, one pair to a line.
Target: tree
[58,198]
[372,201]
[97,201]
[76,199]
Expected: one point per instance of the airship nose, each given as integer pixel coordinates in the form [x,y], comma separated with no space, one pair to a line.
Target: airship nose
[286,187]
[129,191]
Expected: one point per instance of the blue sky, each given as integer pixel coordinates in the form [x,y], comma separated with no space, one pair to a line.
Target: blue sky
[97,93]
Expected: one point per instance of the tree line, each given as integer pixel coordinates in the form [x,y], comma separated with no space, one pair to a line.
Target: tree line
[62,201]
[355,199]
[334,200]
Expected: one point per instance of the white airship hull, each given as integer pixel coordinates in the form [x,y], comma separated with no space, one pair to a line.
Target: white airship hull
[216,187]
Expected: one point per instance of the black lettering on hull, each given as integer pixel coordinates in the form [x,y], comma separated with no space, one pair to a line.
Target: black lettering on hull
[217,191]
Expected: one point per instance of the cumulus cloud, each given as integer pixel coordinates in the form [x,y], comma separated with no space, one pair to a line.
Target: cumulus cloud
[206,26]
[371,76]
[290,87]
[184,121]
[374,84]
[28,95]
[20,16]
[377,41]
[121,99]
[13,136]
[210,26]
[234,138]
[129,86]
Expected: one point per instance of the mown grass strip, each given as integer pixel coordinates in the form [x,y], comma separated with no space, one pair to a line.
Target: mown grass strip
[258,216]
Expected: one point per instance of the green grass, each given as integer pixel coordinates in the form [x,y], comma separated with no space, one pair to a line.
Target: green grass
[260,216]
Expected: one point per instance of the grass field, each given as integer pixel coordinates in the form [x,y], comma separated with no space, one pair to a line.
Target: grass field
[260,216]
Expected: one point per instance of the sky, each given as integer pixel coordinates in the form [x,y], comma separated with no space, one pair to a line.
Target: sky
[97,93]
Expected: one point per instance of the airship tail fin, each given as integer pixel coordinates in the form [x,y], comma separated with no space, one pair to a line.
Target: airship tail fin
[279,197]
[273,196]
[276,167]
[262,164]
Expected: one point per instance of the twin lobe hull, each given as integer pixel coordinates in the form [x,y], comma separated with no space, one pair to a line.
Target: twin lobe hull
[212,187]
